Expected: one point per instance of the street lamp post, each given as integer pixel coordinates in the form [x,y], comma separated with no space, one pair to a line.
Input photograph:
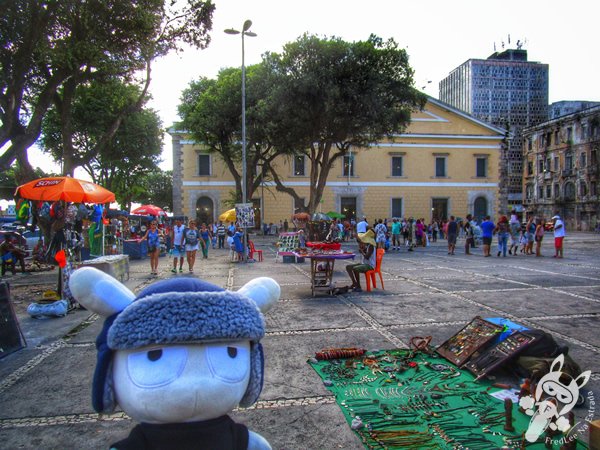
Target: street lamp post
[244,32]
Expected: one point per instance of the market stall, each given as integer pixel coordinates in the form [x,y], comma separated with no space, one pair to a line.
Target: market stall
[58,197]
[115,265]
[322,265]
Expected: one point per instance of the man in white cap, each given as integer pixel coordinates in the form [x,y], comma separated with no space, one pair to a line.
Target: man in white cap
[366,247]
[559,235]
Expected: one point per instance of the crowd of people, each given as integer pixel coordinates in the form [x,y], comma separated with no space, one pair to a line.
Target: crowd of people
[186,240]
[513,237]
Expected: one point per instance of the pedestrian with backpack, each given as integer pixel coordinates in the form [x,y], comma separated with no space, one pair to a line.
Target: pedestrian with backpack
[192,242]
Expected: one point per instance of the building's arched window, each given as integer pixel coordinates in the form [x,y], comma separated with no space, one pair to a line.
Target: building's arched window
[480,208]
[529,192]
[204,210]
[569,191]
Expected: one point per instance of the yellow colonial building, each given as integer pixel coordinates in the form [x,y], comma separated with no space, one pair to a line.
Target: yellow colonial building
[446,163]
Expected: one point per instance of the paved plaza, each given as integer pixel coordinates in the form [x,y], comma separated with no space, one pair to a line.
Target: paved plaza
[45,394]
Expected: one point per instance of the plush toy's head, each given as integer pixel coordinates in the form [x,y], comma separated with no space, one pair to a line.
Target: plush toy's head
[183,351]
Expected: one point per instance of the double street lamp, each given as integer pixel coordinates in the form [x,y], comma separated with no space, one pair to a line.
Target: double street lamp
[244,32]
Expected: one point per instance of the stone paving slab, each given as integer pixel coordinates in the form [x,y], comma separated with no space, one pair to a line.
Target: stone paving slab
[533,302]
[41,331]
[59,385]
[300,315]
[418,308]
[302,427]
[45,396]
[72,432]
[577,327]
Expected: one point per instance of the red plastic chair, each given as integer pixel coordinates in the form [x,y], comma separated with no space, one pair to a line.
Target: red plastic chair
[370,275]
[253,250]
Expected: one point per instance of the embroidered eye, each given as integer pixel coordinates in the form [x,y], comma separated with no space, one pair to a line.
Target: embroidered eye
[156,367]
[154,355]
[229,362]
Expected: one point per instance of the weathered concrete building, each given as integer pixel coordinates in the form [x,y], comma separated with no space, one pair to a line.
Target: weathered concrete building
[562,166]
[508,91]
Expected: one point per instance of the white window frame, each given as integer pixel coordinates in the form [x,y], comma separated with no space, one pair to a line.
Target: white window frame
[401,207]
[294,166]
[198,155]
[445,158]
[483,158]
[346,162]
[401,157]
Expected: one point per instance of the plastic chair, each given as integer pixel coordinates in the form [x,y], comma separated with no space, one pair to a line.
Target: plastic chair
[253,250]
[370,275]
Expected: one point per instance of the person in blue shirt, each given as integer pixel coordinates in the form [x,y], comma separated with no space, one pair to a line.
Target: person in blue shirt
[238,243]
[153,237]
[487,232]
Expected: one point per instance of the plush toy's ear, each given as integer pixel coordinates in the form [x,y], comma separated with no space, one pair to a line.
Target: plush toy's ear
[99,292]
[263,291]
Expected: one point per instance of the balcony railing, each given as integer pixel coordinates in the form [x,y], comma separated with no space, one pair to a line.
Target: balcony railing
[568,172]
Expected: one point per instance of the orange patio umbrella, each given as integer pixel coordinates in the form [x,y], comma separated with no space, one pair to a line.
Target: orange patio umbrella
[51,189]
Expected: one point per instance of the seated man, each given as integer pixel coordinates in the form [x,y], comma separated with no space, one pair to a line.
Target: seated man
[10,251]
[366,247]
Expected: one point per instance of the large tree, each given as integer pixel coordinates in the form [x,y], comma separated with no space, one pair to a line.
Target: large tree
[120,162]
[157,189]
[332,95]
[320,97]
[211,111]
[49,44]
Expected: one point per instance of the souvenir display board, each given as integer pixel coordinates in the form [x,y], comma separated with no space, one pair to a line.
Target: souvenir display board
[287,244]
[244,213]
[490,359]
[399,398]
[478,333]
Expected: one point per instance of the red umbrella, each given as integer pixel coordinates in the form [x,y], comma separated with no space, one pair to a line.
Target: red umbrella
[51,189]
[149,210]
[301,216]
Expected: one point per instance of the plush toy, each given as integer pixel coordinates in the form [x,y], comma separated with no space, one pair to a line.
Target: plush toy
[178,358]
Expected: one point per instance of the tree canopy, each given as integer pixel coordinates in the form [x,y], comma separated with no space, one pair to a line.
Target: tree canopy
[119,163]
[46,45]
[319,98]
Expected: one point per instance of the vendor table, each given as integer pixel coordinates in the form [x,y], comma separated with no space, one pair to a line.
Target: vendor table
[115,265]
[321,269]
[324,245]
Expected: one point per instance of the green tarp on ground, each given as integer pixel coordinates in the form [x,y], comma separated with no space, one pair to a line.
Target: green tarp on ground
[403,399]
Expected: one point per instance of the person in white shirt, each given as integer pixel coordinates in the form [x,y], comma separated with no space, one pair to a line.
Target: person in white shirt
[178,250]
[361,227]
[559,235]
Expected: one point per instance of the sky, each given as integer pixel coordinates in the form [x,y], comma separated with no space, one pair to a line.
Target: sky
[438,36]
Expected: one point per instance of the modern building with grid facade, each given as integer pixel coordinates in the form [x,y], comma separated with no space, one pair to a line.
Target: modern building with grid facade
[508,91]
[562,158]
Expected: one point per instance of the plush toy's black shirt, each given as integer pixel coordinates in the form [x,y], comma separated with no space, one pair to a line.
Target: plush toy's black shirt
[221,433]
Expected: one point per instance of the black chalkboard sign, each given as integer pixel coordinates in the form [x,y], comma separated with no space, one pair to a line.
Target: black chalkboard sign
[11,338]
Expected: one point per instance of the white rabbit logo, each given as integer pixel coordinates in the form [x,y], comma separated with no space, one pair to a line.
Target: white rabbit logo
[555,393]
